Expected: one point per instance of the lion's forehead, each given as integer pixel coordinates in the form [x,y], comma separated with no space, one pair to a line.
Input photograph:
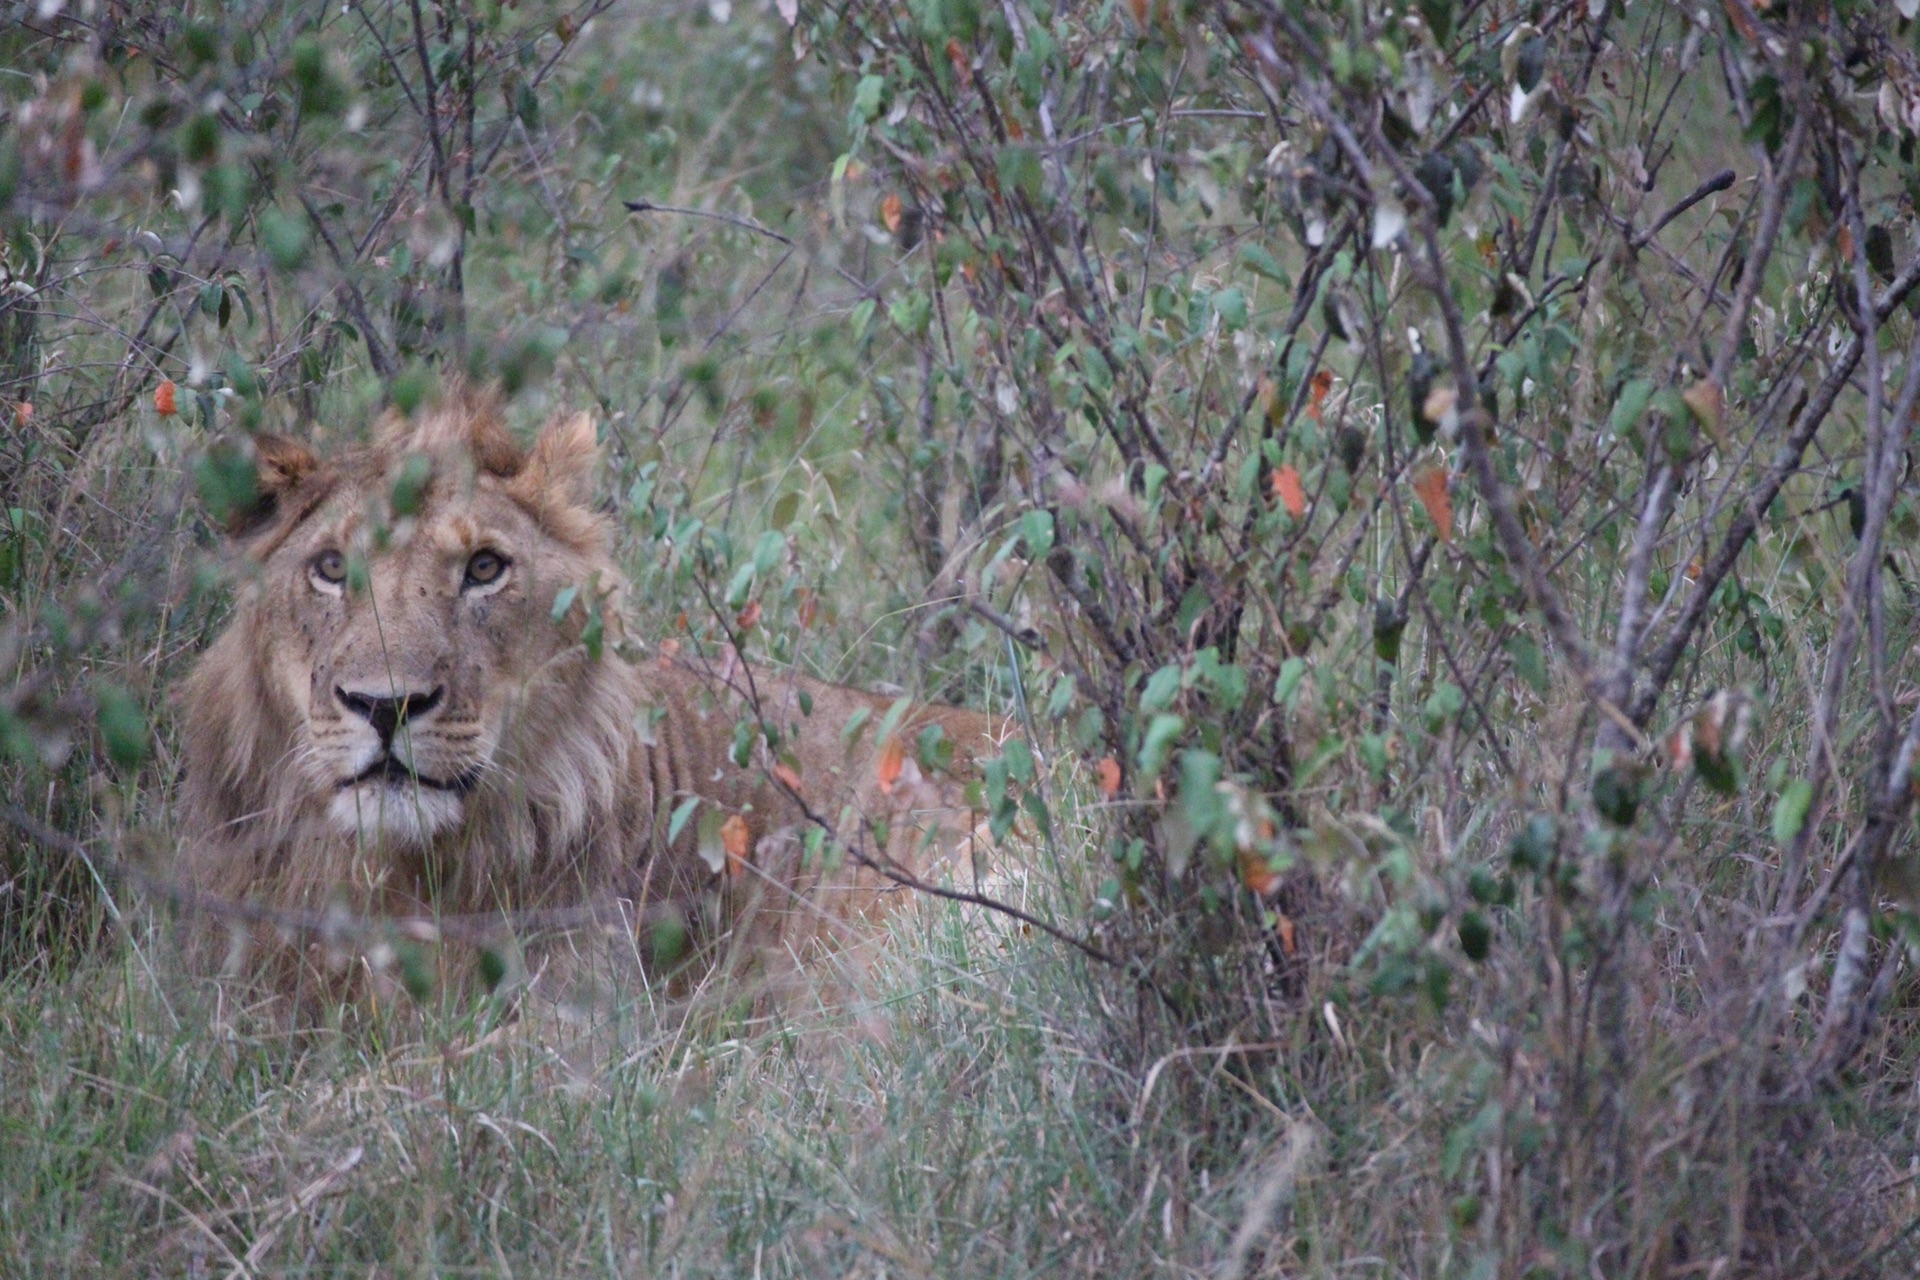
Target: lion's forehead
[446,522]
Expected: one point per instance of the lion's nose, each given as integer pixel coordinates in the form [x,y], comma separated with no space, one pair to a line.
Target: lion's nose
[386,714]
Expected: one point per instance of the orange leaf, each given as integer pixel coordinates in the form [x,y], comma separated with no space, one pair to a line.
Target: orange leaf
[1109,770]
[1322,383]
[748,616]
[1431,486]
[787,777]
[737,840]
[1740,20]
[893,758]
[1259,877]
[962,66]
[1317,392]
[1705,400]
[809,606]
[890,210]
[1287,488]
[1284,927]
[23,413]
[165,398]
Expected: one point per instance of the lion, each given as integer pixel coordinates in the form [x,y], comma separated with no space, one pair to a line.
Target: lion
[409,716]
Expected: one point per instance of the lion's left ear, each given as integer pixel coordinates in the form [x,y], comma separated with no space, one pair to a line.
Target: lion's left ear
[560,466]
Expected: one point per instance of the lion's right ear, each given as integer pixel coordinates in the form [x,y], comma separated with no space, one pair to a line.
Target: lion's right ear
[246,484]
[559,468]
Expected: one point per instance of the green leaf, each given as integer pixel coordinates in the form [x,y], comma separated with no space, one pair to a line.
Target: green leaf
[1162,732]
[563,601]
[678,822]
[493,967]
[740,585]
[867,96]
[228,482]
[416,968]
[1231,306]
[410,489]
[935,749]
[768,551]
[1476,936]
[1019,758]
[1061,699]
[891,721]
[1790,810]
[1200,801]
[1445,703]
[318,88]
[200,139]
[285,238]
[712,847]
[1036,530]
[1629,405]
[1162,687]
[123,727]
[1260,262]
[1019,169]
[1534,845]
[1528,660]
[1288,681]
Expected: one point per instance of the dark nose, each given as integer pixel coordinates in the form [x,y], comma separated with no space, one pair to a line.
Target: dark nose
[387,714]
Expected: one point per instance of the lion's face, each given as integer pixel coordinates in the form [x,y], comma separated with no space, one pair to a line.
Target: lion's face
[414,651]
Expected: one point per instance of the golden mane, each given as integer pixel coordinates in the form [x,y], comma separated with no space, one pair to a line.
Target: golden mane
[393,724]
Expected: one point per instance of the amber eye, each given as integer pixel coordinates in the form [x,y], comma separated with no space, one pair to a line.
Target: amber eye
[330,567]
[485,568]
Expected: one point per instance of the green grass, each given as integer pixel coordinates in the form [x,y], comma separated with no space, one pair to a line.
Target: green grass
[960,1119]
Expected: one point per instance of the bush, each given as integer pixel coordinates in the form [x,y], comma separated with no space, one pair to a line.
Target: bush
[1412,465]
[1432,478]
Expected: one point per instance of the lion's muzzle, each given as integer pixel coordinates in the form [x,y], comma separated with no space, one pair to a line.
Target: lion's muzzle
[404,781]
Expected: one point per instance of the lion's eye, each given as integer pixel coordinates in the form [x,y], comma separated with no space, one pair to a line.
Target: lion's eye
[330,567]
[485,568]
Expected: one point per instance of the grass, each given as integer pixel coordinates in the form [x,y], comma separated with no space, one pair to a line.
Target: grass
[986,1102]
[960,1121]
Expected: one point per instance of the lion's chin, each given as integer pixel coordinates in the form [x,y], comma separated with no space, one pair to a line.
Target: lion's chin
[395,813]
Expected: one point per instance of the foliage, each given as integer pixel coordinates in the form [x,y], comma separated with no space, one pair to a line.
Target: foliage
[1431,479]
[1387,427]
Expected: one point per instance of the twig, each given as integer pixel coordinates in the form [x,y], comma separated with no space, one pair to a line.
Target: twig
[1718,182]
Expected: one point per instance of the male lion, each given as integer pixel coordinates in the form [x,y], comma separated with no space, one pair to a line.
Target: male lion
[394,724]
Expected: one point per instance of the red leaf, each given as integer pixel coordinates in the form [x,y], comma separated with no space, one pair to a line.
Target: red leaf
[1287,488]
[737,839]
[962,67]
[893,758]
[1317,392]
[748,616]
[166,399]
[1259,877]
[787,777]
[1109,770]
[1431,486]
[890,210]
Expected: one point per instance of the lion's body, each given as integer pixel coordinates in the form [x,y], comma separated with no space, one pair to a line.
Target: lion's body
[394,724]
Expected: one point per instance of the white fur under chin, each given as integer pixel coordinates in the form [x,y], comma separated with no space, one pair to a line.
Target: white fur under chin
[395,813]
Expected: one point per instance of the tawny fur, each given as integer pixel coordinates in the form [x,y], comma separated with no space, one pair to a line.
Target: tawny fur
[573,765]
